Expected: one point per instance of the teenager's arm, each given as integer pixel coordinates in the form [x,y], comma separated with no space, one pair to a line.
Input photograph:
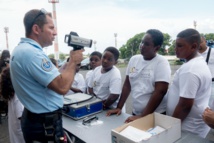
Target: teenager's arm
[154,101]
[125,93]
[76,90]
[110,100]
[156,98]
[91,92]
[183,108]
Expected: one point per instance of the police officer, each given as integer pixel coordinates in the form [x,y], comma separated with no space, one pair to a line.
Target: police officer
[37,82]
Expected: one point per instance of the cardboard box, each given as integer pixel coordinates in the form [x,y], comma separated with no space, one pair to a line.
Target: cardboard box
[171,125]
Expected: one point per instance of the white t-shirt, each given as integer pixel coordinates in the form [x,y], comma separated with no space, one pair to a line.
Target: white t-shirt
[211,67]
[79,83]
[104,84]
[211,59]
[88,76]
[192,81]
[142,76]
[15,109]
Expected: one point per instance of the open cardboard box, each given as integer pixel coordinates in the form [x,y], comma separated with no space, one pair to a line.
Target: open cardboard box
[171,125]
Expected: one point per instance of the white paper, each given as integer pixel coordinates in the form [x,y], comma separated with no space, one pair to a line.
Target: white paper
[135,134]
[156,130]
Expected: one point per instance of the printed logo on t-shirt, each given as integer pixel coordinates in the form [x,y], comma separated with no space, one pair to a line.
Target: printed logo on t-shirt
[132,70]
[46,65]
[146,73]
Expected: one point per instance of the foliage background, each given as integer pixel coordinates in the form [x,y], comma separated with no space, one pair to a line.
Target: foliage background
[131,47]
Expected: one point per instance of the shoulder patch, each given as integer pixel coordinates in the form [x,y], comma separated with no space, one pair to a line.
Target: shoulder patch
[46,65]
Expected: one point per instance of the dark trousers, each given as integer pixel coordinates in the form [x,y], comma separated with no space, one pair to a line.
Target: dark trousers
[33,126]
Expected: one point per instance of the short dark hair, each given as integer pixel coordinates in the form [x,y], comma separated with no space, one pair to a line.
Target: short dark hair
[28,19]
[96,53]
[157,36]
[114,51]
[191,36]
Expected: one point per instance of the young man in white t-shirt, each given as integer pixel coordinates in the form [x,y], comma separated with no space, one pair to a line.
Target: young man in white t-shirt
[204,51]
[95,61]
[189,93]
[208,55]
[147,79]
[105,82]
[78,85]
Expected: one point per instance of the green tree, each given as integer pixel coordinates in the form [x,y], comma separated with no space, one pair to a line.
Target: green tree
[62,56]
[209,36]
[132,46]
[210,39]
[166,43]
[171,49]
[51,56]
[123,52]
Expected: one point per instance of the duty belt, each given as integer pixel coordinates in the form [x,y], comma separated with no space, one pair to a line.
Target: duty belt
[51,123]
[55,115]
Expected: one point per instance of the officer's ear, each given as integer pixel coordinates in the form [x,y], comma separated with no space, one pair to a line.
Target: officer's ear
[36,29]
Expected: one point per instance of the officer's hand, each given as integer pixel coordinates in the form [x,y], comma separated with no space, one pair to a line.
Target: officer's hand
[114,111]
[132,118]
[76,56]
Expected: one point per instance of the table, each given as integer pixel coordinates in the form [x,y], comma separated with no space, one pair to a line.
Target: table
[187,137]
[100,130]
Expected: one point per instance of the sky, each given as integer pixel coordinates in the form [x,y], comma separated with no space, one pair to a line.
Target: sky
[99,20]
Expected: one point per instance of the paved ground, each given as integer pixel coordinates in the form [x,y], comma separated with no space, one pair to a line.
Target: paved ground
[4,134]
[4,137]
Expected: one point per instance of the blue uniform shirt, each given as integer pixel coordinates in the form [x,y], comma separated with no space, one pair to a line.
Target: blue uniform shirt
[31,72]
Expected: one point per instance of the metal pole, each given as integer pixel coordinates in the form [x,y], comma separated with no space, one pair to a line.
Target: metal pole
[115,35]
[56,49]
[95,48]
[195,23]
[6,30]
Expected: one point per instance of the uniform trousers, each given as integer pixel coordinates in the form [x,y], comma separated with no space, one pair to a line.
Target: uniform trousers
[43,127]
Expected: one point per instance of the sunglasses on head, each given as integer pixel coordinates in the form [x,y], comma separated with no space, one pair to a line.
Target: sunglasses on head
[41,12]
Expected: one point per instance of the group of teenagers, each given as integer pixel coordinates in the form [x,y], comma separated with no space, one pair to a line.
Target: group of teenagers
[103,81]
[38,87]
[148,80]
